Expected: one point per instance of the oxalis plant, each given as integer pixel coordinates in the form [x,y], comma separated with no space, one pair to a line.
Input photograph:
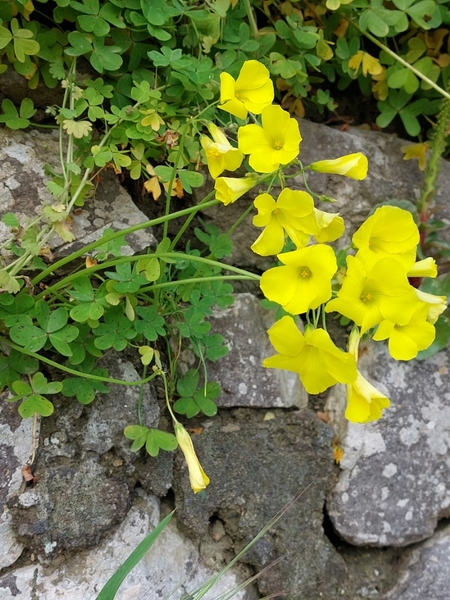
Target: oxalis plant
[159,302]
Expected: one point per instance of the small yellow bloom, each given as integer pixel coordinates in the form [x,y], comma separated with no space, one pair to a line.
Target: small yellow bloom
[436,304]
[220,154]
[229,189]
[369,296]
[364,402]
[369,63]
[286,215]
[275,143]
[331,226]
[405,341]
[352,165]
[424,268]
[252,91]
[390,231]
[305,280]
[418,151]
[197,476]
[319,363]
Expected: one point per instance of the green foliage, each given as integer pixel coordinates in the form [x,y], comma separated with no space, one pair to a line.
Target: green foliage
[154,440]
[33,401]
[194,399]
[167,57]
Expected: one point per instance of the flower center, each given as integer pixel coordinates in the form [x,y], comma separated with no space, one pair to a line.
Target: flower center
[278,144]
[305,272]
[213,152]
[276,211]
[366,297]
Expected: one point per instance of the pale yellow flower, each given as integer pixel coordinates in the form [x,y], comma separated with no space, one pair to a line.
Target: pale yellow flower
[197,476]
[220,154]
[229,189]
[352,165]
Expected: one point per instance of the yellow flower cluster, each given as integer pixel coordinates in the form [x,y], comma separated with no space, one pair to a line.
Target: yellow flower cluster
[374,291]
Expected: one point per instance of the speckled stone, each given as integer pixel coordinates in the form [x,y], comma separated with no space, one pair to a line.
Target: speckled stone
[243,379]
[172,561]
[16,443]
[22,190]
[395,479]
[425,571]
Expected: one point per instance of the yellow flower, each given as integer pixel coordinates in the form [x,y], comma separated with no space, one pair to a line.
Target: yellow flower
[331,226]
[275,143]
[197,476]
[405,341]
[319,363]
[436,304]
[252,91]
[370,64]
[284,216]
[305,280]
[424,268]
[418,151]
[390,231]
[229,189]
[220,154]
[352,165]
[364,402]
[370,296]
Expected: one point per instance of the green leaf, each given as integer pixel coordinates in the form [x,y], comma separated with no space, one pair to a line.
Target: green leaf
[115,332]
[11,220]
[35,404]
[151,268]
[85,390]
[190,179]
[40,385]
[138,433]
[109,590]
[150,324]
[27,335]
[187,385]
[80,44]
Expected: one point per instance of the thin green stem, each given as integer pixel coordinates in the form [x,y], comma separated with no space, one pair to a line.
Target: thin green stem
[169,284]
[251,17]
[185,225]
[401,61]
[166,394]
[104,240]
[61,367]
[129,259]
[239,221]
[141,396]
[172,178]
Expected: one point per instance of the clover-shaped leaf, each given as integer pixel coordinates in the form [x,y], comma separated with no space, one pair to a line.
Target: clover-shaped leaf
[114,332]
[193,400]
[34,402]
[153,439]
[85,390]
[14,365]
[150,324]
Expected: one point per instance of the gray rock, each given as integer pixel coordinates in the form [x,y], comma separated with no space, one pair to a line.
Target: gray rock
[257,467]
[16,448]
[171,561]
[425,571]
[243,379]
[395,480]
[71,507]
[22,191]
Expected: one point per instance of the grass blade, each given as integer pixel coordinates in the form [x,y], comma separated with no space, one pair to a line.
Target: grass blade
[109,590]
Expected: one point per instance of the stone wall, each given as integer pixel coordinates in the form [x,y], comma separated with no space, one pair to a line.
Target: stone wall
[372,527]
